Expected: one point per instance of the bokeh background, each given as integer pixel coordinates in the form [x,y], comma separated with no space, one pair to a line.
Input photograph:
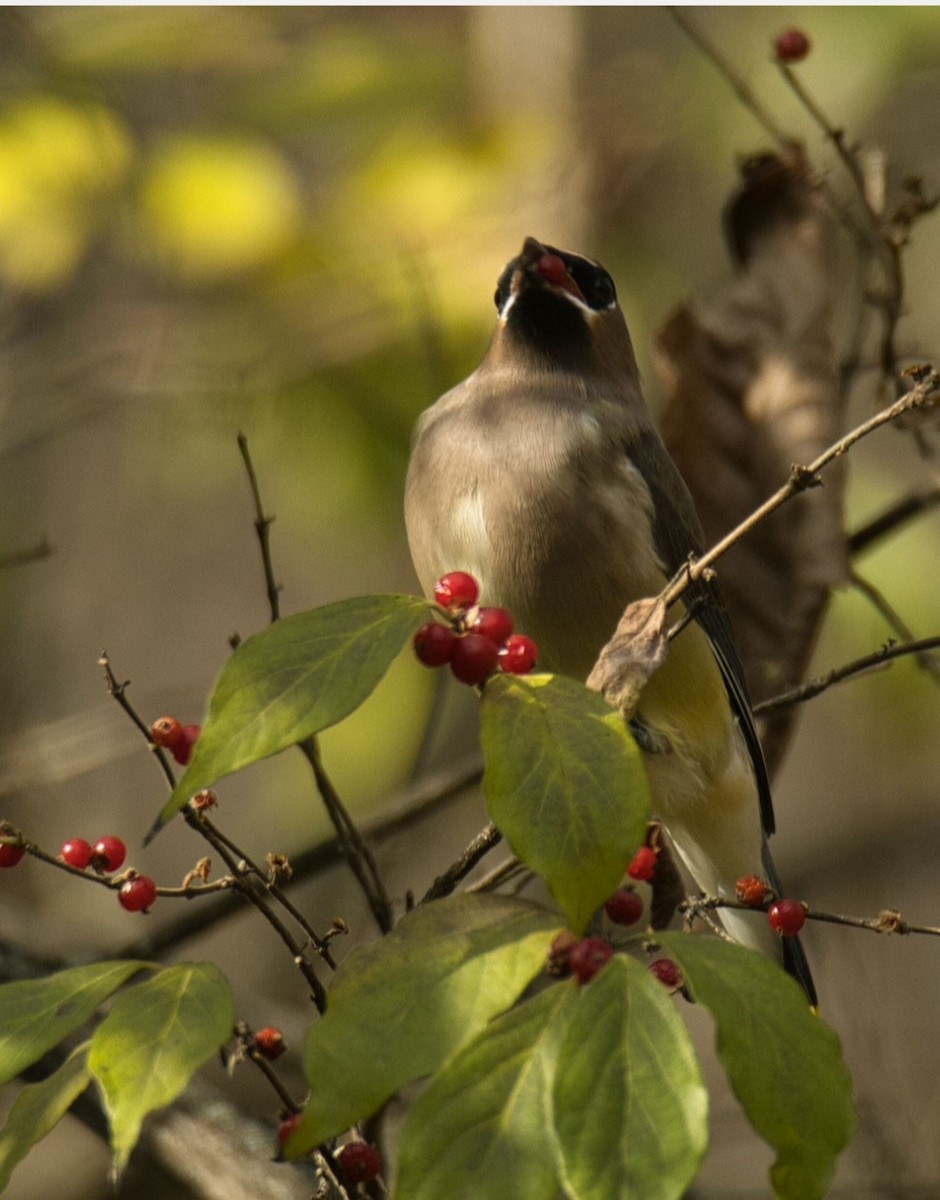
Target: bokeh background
[289,222]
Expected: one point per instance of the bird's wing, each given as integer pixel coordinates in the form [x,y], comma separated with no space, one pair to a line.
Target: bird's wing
[677,534]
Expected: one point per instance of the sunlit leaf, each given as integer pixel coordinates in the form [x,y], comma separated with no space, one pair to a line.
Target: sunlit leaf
[487,1115]
[399,1007]
[157,1034]
[36,1014]
[784,1064]
[299,676]
[565,784]
[630,1106]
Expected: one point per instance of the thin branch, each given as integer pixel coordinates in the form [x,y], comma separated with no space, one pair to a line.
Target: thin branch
[870,662]
[499,875]
[893,517]
[19,558]
[894,619]
[888,920]
[357,853]
[924,394]
[481,845]
[263,527]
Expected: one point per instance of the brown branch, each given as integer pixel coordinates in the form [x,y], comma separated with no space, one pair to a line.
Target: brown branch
[893,517]
[922,395]
[873,661]
[894,619]
[887,921]
[481,845]
[263,527]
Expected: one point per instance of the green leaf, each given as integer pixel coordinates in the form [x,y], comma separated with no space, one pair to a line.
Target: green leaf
[301,675]
[784,1064]
[154,1038]
[36,1014]
[399,1007]
[630,1106]
[39,1108]
[487,1114]
[565,784]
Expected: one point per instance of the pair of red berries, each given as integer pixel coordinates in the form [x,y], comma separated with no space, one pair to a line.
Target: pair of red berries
[357,1162]
[586,956]
[786,917]
[169,734]
[479,638]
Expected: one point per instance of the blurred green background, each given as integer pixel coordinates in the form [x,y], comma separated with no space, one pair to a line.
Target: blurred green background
[289,221]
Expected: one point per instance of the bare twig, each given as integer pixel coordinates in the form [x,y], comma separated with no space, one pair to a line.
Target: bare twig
[924,394]
[481,845]
[870,662]
[894,619]
[499,875]
[263,527]
[887,921]
[357,853]
[893,518]
[19,558]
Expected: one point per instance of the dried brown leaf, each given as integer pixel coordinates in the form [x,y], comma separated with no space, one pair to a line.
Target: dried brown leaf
[636,650]
[751,388]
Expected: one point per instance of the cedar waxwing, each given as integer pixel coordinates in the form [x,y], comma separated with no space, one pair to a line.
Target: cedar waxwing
[543,476]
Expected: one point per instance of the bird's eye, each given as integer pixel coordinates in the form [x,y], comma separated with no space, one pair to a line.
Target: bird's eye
[603,293]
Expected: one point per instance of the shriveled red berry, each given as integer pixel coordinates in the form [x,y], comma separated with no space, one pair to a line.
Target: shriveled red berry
[76,852]
[473,658]
[643,864]
[182,751]
[586,957]
[667,972]
[786,917]
[203,800]
[518,655]
[358,1162]
[456,590]
[286,1128]
[751,890]
[108,854]
[166,732]
[270,1042]
[624,907]
[493,623]
[434,644]
[10,855]
[791,46]
[138,894]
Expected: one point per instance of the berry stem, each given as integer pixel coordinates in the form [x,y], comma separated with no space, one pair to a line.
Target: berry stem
[481,845]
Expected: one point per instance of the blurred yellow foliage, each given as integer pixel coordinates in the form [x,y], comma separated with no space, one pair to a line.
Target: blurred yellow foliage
[57,162]
[217,206]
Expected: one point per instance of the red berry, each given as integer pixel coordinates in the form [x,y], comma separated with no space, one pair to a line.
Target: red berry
[667,973]
[751,890]
[434,644]
[270,1042]
[76,852]
[138,894]
[166,732]
[643,864]
[358,1162]
[108,854]
[456,589]
[473,658]
[286,1128]
[493,623]
[786,917]
[183,750]
[792,46]
[624,907]
[586,958]
[518,655]
[10,855]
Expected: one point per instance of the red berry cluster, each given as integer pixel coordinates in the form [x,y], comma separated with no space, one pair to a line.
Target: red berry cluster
[106,856]
[785,917]
[169,734]
[477,639]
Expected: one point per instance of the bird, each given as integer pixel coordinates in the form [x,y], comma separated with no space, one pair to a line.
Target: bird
[543,476]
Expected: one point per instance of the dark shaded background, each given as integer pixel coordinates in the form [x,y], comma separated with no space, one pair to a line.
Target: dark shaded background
[290,222]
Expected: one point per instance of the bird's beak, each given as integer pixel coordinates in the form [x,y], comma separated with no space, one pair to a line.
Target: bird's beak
[538,267]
